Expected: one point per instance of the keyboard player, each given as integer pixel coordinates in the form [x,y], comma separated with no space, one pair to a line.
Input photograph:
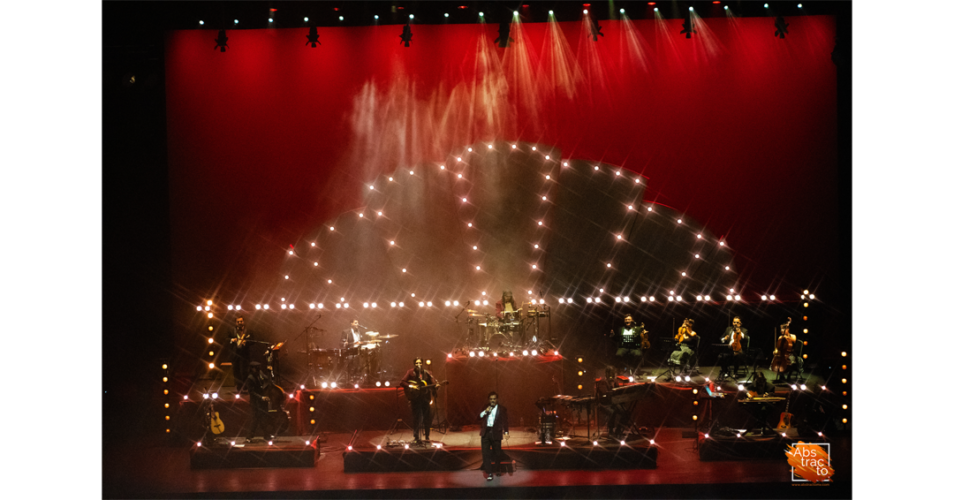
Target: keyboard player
[614,412]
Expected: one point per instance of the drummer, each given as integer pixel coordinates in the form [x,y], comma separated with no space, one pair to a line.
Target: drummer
[352,335]
[506,307]
[350,341]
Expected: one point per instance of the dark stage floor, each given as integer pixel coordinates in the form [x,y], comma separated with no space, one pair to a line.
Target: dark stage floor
[143,470]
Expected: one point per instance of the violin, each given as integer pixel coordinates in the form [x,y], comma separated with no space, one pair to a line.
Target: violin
[783,348]
[644,336]
[737,340]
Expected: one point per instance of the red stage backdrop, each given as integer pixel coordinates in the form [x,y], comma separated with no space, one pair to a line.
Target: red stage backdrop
[734,127]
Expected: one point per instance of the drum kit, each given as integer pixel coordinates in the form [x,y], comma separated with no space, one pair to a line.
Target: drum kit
[510,331]
[357,362]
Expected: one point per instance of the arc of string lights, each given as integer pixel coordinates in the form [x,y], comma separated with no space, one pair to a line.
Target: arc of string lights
[567,300]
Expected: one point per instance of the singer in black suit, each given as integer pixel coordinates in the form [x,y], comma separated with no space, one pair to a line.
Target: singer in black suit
[493,427]
[240,356]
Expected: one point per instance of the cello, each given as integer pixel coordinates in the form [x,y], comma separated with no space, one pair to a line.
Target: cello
[644,336]
[783,348]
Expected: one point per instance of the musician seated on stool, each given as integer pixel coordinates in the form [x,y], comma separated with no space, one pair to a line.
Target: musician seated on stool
[238,338]
[629,354]
[614,412]
[256,383]
[506,307]
[352,335]
[493,427]
[760,385]
[732,357]
[416,383]
[349,339]
[686,335]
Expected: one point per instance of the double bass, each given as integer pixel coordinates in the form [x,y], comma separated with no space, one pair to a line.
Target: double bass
[783,348]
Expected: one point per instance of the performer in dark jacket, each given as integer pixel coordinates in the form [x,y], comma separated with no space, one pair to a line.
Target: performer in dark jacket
[238,339]
[417,383]
[493,427]
[256,384]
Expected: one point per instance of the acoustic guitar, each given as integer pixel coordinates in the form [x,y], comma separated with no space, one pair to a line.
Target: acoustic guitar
[215,423]
[421,391]
[786,418]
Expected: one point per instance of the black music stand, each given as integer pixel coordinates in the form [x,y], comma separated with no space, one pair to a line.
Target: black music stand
[398,421]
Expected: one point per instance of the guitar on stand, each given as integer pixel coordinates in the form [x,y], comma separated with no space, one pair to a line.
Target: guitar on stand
[215,423]
[785,420]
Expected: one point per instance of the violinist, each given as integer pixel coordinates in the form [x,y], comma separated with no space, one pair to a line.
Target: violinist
[685,336]
[629,352]
[784,358]
[735,336]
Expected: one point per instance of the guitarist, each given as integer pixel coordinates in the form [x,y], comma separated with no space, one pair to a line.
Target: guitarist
[419,386]
[238,338]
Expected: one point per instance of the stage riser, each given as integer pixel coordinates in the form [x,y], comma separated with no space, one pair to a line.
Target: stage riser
[544,458]
[242,458]
[745,448]
[236,416]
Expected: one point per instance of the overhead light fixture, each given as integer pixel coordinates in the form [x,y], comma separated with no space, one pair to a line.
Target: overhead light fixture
[781,27]
[503,34]
[312,36]
[687,27]
[221,41]
[595,29]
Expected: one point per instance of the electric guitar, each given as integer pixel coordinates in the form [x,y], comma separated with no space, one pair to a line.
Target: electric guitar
[419,391]
[215,423]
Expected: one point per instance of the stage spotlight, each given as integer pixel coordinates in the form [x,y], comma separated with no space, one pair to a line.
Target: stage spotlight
[481,354]
[525,352]
[781,27]
[794,387]
[472,354]
[377,384]
[387,383]
[221,41]
[687,27]
[533,352]
[379,447]
[355,386]
[324,385]
[406,35]
[678,378]
[741,387]
[803,387]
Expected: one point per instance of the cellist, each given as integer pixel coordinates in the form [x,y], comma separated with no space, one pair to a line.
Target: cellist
[783,357]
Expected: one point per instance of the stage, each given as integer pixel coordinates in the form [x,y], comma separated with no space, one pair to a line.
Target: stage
[153,470]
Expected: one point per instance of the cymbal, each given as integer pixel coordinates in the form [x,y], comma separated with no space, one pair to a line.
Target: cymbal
[387,337]
[471,311]
[366,342]
[373,334]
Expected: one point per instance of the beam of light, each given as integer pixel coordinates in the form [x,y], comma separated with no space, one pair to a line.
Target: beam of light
[524,87]
[559,69]
[589,58]
[711,46]
[632,46]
